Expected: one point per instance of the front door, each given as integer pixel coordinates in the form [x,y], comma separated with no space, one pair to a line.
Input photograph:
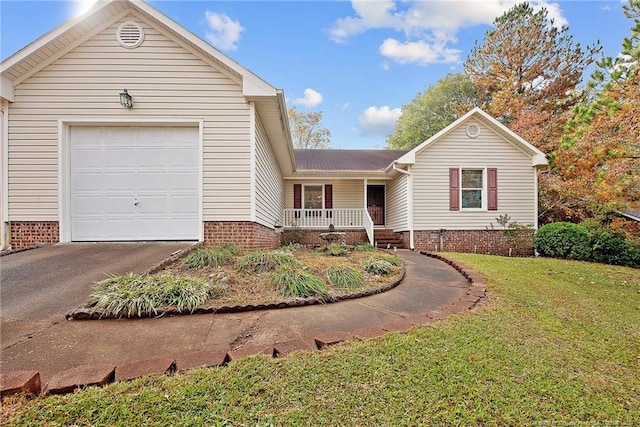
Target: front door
[375,203]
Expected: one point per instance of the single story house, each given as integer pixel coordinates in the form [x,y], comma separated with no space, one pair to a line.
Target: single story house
[121,125]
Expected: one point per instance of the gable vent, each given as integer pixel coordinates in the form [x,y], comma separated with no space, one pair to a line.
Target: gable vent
[130,35]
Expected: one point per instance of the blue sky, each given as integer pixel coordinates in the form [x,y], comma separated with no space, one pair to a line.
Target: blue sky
[358,62]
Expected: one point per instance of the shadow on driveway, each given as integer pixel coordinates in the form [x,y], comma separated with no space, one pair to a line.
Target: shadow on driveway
[39,286]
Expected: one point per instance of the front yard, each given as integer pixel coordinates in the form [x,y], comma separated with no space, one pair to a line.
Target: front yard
[557,343]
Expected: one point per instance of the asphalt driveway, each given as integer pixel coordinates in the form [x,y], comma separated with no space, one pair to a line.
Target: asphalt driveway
[39,286]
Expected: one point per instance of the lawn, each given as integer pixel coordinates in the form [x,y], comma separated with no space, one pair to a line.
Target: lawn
[556,343]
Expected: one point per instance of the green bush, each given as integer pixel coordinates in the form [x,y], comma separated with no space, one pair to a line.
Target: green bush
[563,240]
[259,262]
[345,277]
[607,247]
[377,266]
[364,247]
[210,257]
[295,282]
[138,295]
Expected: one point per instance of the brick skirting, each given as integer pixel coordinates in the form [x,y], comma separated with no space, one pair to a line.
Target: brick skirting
[352,236]
[26,234]
[492,242]
[247,235]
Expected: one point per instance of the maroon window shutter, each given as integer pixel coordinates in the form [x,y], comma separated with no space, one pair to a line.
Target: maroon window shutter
[328,196]
[297,196]
[454,189]
[492,187]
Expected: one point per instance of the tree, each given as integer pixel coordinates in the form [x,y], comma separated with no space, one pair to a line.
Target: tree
[307,130]
[433,110]
[527,72]
[598,163]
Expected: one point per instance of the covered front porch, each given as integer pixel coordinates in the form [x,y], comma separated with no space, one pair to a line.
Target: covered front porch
[323,219]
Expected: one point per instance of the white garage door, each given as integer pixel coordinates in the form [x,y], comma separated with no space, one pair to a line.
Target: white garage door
[134,183]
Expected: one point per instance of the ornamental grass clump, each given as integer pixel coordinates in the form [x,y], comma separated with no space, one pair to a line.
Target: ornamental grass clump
[260,262]
[336,249]
[391,259]
[345,277]
[364,247]
[295,282]
[214,256]
[377,266]
[144,294]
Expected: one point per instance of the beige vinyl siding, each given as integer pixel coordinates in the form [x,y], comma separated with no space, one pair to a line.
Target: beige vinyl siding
[269,183]
[347,194]
[397,203]
[516,177]
[165,80]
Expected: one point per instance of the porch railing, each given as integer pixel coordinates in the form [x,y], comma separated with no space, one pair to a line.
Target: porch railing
[322,218]
[368,226]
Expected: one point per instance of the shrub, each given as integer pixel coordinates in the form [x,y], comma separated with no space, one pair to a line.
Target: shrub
[336,249]
[210,257]
[293,235]
[377,266]
[291,247]
[563,240]
[364,247]
[345,277]
[295,282]
[259,262]
[137,295]
[607,247]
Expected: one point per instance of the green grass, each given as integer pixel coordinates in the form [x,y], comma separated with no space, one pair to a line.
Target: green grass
[144,294]
[211,257]
[345,277]
[260,262]
[556,343]
[295,282]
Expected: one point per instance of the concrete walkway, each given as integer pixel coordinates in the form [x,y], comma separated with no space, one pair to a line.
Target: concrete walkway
[430,285]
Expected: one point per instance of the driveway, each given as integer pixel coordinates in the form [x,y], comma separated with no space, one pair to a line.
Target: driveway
[38,287]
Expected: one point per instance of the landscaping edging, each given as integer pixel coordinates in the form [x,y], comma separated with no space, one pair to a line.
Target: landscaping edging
[79,377]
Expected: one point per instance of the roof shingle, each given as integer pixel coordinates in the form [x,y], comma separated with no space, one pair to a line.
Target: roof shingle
[346,160]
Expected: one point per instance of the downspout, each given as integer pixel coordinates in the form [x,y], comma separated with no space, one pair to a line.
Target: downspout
[409,201]
[4,153]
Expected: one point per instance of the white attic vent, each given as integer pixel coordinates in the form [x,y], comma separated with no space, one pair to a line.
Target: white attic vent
[473,130]
[130,35]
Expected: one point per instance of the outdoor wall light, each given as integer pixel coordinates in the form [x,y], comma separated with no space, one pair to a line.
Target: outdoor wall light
[125,99]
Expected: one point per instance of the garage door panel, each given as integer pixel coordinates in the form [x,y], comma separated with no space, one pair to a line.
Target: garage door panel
[134,183]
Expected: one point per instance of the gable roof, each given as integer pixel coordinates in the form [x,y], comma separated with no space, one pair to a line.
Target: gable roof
[269,101]
[345,160]
[538,158]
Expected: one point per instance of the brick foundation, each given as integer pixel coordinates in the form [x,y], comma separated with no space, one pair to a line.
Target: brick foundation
[312,237]
[492,242]
[247,235]
[26,234]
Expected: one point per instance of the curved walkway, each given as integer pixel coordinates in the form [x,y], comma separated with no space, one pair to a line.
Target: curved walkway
[68,353]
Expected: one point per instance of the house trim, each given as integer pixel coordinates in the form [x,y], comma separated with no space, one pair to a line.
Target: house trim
[252,158]
[64,161]
[4,155]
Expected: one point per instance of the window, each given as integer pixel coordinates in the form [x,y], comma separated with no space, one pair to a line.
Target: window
[313,197]
[472,186]
[473,189]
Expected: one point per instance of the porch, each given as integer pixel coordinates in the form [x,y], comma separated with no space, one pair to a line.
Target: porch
[322,219]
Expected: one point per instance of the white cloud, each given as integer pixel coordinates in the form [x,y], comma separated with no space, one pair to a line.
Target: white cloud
[378,120]
[419,52]
[429,27]
[311,98]
[225,32]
